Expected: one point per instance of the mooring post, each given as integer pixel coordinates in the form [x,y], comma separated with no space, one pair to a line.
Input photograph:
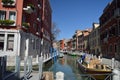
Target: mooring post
[17,66]
[40,66]
[113,63]
[59,75]
[25,71]
[116,74]
[1,68]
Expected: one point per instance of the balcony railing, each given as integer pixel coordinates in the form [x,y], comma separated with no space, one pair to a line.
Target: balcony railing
[29,9]
[7,22]
[8,2]
[116,14]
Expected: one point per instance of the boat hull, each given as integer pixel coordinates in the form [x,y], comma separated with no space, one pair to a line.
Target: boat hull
[95,73]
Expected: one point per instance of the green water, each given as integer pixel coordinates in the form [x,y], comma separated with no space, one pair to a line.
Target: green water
[67,65]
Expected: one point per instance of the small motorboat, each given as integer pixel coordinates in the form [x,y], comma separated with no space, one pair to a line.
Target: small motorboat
[61,55]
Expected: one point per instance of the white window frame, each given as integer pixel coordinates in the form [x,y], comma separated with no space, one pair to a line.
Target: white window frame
[2,17]
[14,17]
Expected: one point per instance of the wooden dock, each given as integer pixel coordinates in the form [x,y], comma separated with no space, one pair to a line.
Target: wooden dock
[48,75]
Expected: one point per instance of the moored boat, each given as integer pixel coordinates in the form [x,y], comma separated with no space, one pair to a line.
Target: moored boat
[72,54]
[61,55]
[94,67]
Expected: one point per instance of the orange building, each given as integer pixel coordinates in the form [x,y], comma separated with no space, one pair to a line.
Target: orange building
[25,27]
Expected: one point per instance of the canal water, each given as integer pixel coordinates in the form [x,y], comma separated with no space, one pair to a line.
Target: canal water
[67,65]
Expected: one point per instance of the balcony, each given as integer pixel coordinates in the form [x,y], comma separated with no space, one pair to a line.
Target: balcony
[115,15]
[8,2]
[7,23]
[29,9]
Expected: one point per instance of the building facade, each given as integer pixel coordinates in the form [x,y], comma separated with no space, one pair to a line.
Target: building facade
[110,30]
[74,42]
[80,40]
[69,45]
[85,41]
[25,26]
[62,46]
[94,39]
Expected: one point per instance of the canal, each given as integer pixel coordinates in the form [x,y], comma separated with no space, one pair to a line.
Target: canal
[67,65]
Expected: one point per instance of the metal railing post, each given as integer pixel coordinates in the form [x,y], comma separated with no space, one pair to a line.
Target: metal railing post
[17,66]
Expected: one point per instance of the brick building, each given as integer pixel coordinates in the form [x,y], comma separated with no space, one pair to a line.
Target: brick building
[110,30]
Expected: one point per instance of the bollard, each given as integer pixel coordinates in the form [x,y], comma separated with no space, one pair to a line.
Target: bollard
[59,75]
[40,67]
[113,63]
[17,66]
[116,74]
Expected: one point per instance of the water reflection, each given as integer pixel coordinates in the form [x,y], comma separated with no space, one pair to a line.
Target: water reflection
[62,61]
[68,66]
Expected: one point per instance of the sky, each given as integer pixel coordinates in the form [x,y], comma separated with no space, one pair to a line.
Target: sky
[72,15]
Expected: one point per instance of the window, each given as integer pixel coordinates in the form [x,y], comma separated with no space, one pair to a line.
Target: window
[2,36]
[115,47]
[118,48]
[33,44]
[2,15]
[110,48]
[35,26]
[10,42]
[12,15]
[119,28]
[37,44]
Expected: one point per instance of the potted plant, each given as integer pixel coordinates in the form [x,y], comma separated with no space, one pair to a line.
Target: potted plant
[25,25]
[32,6]
[6,2]
[7,22]
[1,22]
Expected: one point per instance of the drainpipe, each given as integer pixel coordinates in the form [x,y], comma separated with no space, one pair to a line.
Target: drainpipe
[19,42]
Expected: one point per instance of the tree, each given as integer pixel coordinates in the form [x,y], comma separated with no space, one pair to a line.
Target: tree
[55,31]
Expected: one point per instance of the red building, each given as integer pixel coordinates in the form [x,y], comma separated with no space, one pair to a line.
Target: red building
[110,30]
[25,27]
[62,46]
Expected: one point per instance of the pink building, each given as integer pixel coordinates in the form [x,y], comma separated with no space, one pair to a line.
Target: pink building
[25,27]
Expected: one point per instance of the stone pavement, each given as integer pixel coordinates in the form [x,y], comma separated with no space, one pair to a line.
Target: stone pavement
[32,76]
[35,75]
[109,62]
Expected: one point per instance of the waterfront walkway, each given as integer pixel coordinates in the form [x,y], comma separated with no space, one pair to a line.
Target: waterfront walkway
[111,62]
